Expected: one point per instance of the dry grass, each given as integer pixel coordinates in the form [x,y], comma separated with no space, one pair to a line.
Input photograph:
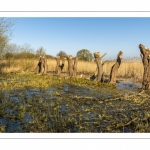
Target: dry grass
[128,69]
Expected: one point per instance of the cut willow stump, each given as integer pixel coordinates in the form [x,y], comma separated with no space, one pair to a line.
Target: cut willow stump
[63,64]
[75,66]
[39,70]
[58,69]
[70,65]
[98,61]
[145,55]
[44,65]
[115,67]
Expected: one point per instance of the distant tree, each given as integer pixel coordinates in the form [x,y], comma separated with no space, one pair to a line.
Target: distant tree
[26,52]
[5,33]
[9,53]
[11,48]
[40,51]
[84,54]
[3,42]
[62,54]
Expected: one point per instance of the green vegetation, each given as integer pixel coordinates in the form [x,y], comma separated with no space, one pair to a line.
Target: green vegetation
[44,103]
[62,54]
[85,55]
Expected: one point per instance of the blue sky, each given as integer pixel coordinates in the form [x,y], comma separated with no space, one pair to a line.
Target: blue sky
[70,34]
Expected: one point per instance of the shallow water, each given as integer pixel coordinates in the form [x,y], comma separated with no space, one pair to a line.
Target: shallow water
[83,106]
[126,85]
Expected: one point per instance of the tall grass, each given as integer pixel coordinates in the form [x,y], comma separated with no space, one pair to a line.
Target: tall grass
[128,68]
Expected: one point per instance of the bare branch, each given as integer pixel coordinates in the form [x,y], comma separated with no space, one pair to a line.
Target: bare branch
[103,55]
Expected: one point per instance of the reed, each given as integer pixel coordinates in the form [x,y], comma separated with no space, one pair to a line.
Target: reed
[128,69]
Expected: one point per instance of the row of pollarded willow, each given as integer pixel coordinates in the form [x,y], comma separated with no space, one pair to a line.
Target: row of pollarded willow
[145,55]
[114,69]
[72,65]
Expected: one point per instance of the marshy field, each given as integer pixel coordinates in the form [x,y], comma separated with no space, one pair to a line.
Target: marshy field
[31,102]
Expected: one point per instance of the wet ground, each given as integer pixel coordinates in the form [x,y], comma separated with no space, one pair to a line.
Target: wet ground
[75,108]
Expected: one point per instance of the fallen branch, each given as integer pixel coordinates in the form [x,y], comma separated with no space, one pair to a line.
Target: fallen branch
[123,125]
[129,122]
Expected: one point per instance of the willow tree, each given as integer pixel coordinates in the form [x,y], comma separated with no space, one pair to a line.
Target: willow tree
[145,55]
[98,60]
[115,67]
[44,67]
[38,69]
[70,65]
[59,67]
[75,66]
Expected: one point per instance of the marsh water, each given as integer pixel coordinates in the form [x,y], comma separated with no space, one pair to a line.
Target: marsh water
[71,108]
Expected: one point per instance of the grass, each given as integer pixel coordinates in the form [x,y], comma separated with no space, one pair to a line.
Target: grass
[128,69]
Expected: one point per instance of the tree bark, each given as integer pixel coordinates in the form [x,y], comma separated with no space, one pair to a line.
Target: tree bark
[44,64]
[58,69]
[115,67]
[145,55]
[63,64]
[70,65]
[75,66]
[98,61]
[39,65]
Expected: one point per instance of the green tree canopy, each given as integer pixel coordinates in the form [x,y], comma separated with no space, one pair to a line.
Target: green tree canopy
[62,54]
[84,54]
